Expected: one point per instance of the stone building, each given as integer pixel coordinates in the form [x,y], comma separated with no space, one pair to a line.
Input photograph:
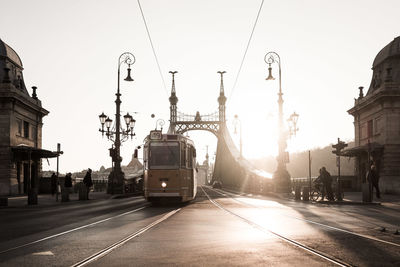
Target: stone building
[21,117]
[377,121]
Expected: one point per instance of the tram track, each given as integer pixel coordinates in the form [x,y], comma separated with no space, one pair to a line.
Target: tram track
[73,229]
[306,248]
[229,194]
[122,241]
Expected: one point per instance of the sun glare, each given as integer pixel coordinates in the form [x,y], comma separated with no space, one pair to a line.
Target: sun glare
[258,139]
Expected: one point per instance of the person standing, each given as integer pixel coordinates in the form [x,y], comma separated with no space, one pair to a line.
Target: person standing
[67,185]
[373,178]
[87,180]
[327,182]
[319,185]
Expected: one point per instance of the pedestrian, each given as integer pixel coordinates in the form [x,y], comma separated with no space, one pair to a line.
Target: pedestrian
[87,180]
[319,185]
[53,180]
[67,184]
[327,182]
[373,178]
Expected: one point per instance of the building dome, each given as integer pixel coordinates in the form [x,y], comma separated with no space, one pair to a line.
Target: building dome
[6,52]
[390,50]
[386,67]
[11,67]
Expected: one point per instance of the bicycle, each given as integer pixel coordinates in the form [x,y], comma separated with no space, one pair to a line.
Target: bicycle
[316,191]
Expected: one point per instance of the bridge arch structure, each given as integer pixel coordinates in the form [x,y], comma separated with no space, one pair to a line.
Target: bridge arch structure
[230,167]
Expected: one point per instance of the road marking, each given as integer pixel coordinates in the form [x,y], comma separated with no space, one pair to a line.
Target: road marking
[43,253]
[317,223]
[116,245]
[73,230]
[266,230]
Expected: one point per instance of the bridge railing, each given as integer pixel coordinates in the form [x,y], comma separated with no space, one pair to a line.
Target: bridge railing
[207,117]
[348,182]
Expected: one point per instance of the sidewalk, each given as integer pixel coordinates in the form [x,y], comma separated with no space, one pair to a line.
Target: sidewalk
[49,200]
[350,198]
[355,198]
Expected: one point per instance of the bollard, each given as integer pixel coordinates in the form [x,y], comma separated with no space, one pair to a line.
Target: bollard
[64,194]
[82,192]
[3,201]
[306,193]
[32,196]
[297,192]
[366,194]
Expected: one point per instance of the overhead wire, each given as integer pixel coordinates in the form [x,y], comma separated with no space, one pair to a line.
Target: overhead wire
[152,47]
[247,48]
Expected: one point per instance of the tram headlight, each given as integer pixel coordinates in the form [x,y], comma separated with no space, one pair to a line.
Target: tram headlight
[164,184]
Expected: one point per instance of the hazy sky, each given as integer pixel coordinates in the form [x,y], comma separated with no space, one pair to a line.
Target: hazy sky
[70,50]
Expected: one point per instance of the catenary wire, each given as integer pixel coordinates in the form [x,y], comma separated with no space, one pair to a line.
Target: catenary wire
[247,48]
[152,47]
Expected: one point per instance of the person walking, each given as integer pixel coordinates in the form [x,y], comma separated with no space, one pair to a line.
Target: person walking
[67,185]
[53,180]
[327,182]
[87,180]
[373,178]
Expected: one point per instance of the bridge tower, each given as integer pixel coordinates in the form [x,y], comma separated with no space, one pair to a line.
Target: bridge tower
[222,99]
[173,100]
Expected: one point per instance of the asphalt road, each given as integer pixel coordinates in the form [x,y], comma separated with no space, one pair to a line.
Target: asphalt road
[219,228]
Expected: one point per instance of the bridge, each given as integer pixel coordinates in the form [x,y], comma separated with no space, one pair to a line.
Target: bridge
[230,167]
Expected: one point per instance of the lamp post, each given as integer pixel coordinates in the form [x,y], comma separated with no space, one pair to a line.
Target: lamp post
[116,185]
[281,175]
[236,122]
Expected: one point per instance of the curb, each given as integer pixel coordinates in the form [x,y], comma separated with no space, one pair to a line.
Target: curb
[119,196]
[347,203]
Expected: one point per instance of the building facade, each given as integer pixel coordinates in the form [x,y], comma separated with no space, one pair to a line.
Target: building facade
[21,117]
[377,121]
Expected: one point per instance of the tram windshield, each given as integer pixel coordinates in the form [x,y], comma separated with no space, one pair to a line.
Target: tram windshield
[164,155]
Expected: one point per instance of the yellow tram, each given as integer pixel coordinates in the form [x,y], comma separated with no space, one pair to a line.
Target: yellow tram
[169,168]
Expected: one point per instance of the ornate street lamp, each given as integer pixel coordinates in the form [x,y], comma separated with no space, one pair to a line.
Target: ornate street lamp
[118,134]
[292,122]
[236,122]
[281,175]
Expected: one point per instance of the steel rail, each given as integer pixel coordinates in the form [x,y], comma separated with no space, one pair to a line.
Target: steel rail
[288,240]
[313,222]
[74,229]
[121,242]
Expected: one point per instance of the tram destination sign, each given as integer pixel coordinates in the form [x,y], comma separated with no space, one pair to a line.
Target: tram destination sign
[155,135]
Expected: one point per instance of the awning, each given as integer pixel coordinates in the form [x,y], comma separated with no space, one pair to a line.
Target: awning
[22,153]
[359,150]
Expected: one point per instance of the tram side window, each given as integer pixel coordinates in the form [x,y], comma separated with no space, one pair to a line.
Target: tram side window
[190,157]
[183,155]
[145,157]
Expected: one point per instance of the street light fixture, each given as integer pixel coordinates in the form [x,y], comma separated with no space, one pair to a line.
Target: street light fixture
[117,134]
[281,175]
[292,122]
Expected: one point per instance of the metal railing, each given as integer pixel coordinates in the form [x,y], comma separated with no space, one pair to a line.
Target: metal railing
[207,117]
